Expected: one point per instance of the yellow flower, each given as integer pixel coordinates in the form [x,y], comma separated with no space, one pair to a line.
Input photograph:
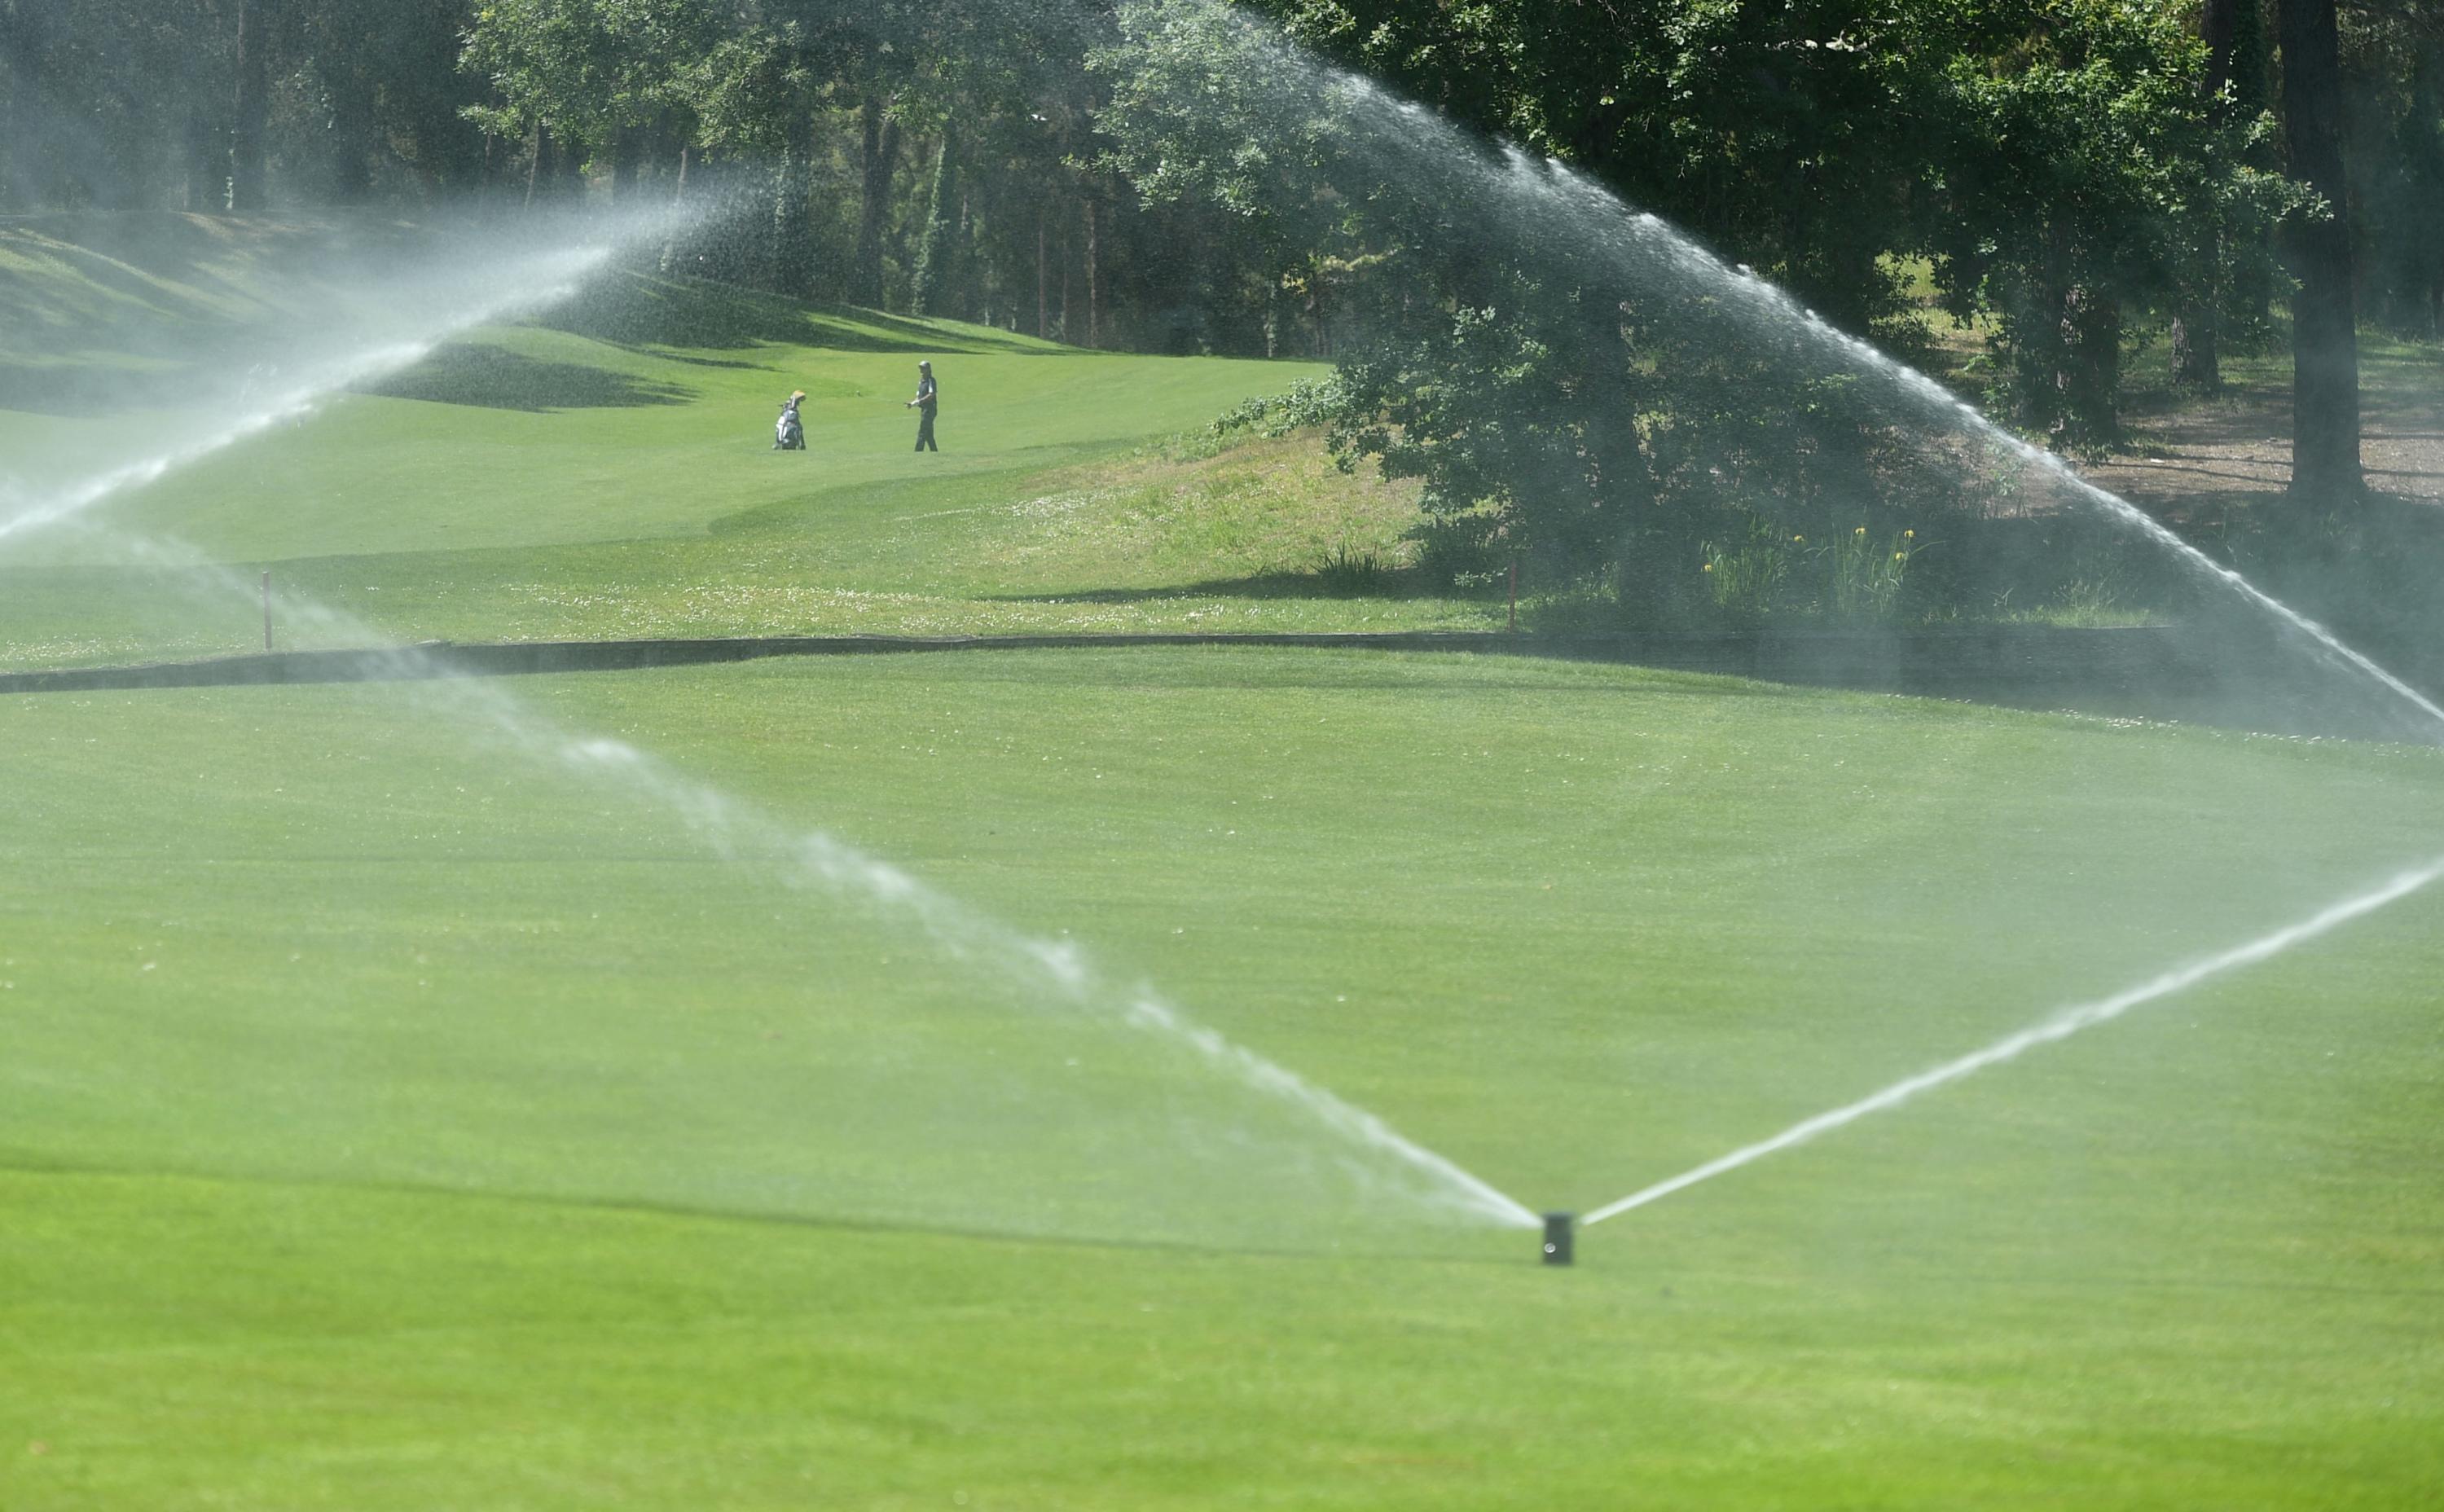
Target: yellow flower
[1900,556]
[1708,567]
[1861,530]
[1798,540]
[1909,535]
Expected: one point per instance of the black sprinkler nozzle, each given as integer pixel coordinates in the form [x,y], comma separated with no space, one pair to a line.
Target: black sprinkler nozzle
[1557,1239]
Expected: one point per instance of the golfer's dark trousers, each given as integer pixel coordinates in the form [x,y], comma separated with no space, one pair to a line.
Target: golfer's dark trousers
[925,430]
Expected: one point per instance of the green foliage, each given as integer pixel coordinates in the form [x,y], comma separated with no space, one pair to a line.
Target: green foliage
[1306,405]
[1351,573]
[1863,575]
[586,68]
[2395,75]
[2091,185]
[1746,578]
[1569,395]
[1853,578]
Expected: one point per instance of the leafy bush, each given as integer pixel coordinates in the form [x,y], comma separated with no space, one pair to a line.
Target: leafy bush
[1349,574]
[1862,578]
[1458,551]
[1306,405]
[1850,579]
[1748,581]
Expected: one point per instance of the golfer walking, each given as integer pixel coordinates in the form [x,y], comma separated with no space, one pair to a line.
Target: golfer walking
[923,404]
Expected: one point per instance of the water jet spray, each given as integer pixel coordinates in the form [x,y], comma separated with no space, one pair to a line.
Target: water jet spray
[2060,1025]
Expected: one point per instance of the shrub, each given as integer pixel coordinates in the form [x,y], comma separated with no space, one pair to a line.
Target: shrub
[1862,578]
[1748,581]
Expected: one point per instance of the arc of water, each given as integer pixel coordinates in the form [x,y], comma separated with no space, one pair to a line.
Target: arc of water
[1654,238]
[1576,214]
[2060,1025]
[734,831]
[1650,235]
[512,288]
[962,930]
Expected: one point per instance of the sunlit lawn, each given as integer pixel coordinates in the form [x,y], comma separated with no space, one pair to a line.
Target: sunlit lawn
[395,1120]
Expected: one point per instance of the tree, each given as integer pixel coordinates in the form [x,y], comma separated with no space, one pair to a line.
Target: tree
[1564,389]
[934,247]
[2234,85]
[877,159]
[2325,336]
[1567,385]
[2088,185]
[252,106]
[582,75]
[2393,67]
[24,66]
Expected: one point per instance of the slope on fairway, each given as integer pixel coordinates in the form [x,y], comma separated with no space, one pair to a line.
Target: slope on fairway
[310,936]
[610,474]
[599,443]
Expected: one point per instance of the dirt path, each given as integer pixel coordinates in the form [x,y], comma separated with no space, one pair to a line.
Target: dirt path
[2208,456]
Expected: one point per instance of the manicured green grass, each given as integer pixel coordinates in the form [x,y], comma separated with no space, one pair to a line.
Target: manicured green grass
[400,1106]
[611,476]
[1150,539]
[1051,510]
[394,1119]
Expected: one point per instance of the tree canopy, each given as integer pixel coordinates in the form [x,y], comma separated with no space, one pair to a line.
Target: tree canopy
[2066,176]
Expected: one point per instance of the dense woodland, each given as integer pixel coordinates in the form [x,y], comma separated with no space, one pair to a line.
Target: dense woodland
[2073,175]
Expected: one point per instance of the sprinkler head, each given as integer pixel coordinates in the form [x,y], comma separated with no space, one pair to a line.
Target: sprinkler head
[1557,1239]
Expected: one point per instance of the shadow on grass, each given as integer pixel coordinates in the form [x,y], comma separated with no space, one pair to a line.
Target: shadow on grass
[1390,584]
[632,308]
[494,379]
[84,391]
[160,281]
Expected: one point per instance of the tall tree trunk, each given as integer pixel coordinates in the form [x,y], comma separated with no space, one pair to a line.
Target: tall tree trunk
[253,106]
[570,162]
[792,248]
[538,173]
[627,154]
[879,157]
[23,54]
[673,243]
[927,282]
[2090,376]
[2325,336]
[1653,543]
[352,140]
[206,163]
[1094,281]
[1042,326]
[2039,351]
[2197,363]
[2218,22]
